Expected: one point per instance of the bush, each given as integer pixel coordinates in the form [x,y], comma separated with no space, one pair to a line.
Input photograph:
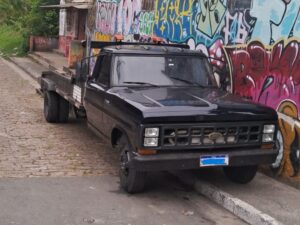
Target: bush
[22,18]
[10,41]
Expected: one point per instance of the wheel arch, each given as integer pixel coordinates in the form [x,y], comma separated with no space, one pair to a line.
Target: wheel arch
[116,134]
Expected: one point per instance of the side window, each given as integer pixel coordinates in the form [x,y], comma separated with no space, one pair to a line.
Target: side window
[104,71]
[97,67]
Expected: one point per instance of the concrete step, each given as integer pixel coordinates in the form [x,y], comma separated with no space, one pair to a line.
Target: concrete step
[52,61]
[39,60]
[57,51]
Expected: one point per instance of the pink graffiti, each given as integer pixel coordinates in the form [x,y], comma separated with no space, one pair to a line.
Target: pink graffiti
[106,16]
[127,11]
[216,54]
[267,76]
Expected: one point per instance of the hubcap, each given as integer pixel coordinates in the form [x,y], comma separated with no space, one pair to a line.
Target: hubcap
[124,162]
[279,158]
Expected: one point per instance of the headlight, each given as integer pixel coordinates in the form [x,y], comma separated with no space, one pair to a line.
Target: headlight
[268,137]
[150,142]
[268,133]
[269,129]
[152,132]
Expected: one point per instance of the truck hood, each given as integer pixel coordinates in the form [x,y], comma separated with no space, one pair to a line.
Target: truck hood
[191,104]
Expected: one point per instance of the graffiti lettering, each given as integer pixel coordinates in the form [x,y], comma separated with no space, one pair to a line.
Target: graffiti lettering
[105,19]
[235,30]
[146,20]
[210,17]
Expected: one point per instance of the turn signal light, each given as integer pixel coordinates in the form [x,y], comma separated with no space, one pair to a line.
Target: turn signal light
[147,151]
[267,146]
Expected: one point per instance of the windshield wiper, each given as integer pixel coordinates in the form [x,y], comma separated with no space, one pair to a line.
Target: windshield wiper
[142,83]
[185,81]
[189,82]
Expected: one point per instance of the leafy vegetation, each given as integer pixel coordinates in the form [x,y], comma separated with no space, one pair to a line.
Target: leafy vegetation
[22,18]
[10,41]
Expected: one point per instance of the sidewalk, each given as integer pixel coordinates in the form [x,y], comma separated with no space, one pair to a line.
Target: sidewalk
[276,199]
[37,62]
[53,60]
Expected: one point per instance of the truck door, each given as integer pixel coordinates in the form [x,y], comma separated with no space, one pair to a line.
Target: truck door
[96,88]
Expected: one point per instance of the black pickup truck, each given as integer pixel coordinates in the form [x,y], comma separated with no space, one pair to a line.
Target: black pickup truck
[161,108]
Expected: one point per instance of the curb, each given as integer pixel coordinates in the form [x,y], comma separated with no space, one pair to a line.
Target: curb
[239,208]
[236,206]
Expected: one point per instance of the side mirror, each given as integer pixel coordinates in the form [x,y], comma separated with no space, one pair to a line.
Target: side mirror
[81,71]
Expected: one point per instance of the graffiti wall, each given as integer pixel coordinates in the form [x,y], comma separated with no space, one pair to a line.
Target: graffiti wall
[253,45]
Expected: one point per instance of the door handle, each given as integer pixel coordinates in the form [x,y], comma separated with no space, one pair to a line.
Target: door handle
[107,101]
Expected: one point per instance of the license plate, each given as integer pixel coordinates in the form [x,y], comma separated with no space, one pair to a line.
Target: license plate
[214,160]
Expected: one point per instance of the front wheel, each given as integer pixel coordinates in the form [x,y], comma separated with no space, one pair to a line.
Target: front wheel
[131,180]
[240,174]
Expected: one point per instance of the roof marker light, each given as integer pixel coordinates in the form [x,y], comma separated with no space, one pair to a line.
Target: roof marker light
[156,40]
[119,37]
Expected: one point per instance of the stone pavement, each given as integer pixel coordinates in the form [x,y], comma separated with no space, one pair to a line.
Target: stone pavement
[98,200]
[30,147]
[49,174]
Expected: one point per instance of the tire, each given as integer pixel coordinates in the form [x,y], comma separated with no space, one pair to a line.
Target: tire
[63,110]
[131,180]
[51,107]
[240,174]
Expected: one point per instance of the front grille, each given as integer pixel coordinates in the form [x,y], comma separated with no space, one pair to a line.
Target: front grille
[211,135]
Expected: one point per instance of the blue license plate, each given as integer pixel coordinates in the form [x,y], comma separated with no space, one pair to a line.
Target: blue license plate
[214,160]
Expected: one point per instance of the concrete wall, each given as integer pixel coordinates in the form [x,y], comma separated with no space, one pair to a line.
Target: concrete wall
[255,43]
[38,43]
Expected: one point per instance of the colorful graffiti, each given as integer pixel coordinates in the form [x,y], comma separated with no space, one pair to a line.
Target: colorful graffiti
[270,75]
[252,44]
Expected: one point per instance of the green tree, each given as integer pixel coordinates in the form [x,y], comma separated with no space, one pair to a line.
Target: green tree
[40,21]
[12,11]
[27,16]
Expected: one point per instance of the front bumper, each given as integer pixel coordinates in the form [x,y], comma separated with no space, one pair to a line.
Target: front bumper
[185,161]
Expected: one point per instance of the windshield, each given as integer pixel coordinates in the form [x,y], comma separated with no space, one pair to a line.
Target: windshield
[162,71]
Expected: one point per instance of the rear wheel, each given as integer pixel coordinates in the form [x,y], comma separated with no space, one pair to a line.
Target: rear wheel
[51,107]
[63,110]
[131,180]
[240,174]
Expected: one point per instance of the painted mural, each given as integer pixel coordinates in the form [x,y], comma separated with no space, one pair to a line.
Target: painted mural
[254,46]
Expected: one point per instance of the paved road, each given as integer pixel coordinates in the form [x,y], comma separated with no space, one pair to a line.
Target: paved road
[64,174]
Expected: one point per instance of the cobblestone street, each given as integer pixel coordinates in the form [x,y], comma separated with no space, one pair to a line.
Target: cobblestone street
[30,147]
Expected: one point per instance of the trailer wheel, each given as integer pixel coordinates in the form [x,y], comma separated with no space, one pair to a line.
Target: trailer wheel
[131,180]
[63,110]
[240,174]
[51,107]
